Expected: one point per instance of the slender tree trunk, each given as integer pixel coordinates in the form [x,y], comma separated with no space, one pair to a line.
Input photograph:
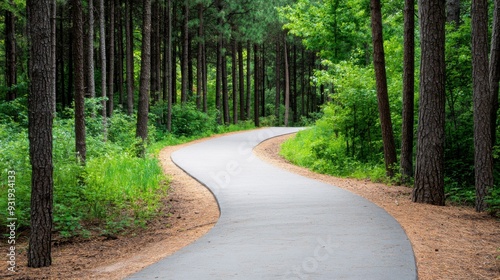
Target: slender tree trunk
[234,80]
[69,92]
[277,101]
[382,94]
[120,49]
[263,81]
[218,82]
[199,63]
[102,37]
[185,54]
[205,80]
[294,78]
[256,85]
[60,62]
[79,82]
[453,11]
[168,66]
[429,168]
[129,57]
[90,52]
[111,51]
[249,72]
[303,83]
[143,107]
[10,53]
[408,92]
[495,70]
[483,158]
[241,81]
[225,91]
[40,119]
[287,85]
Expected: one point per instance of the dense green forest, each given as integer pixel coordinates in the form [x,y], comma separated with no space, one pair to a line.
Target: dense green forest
[90,91]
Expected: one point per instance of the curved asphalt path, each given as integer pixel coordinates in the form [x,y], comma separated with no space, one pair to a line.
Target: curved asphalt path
[278,225]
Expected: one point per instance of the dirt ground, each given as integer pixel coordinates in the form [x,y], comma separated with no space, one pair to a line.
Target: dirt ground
[449,242]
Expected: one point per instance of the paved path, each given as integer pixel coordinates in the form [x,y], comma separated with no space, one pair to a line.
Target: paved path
[278,225]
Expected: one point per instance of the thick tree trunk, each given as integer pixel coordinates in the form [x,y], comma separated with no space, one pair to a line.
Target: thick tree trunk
[129,57]
[40,117]
[429,169]
[495,70]
[408,92]
[10,53]
[79,82]
[382,94]
[143,107]
[483,158]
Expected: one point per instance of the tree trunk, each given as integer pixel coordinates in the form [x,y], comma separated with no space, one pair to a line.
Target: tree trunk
[382,94]
[453,11]
[256,84]
[111,60]
[199,63]
[40,117]
[429,169]
[234,80]
[168,66]
[10,53]
[143,107]
[241,81]
[79,82]
[225,91]
[60,63]
[294,83]
[263,81]
[495,70]
[287,85]
[483,158]
[102,37]
[120,49]
[249,76]
[53,36]
[90,52]
[408,92]
[277,101]
[218,81]
[185,54]
[129,57]
[155,51]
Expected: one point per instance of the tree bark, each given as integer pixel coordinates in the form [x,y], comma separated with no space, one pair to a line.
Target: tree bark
[185,54]
[249,76]
[382,94]
[429,169]
[495,70]
[40,117]
[143,107]
[256,84]
[453,11]
[287,85]
[111,60]
[225,91]
[79,83]
[129,57]
[241,81]
[483,158]
[234,80]
[168,66]
[408,92]
[10,53]
[102,37]
[277,101]
[120,50]
[53,36]
[199,64]
[90,52]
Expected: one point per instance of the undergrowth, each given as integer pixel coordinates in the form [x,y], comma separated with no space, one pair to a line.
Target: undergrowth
[115,190]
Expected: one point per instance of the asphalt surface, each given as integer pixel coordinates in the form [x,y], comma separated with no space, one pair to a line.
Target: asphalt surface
[278,225]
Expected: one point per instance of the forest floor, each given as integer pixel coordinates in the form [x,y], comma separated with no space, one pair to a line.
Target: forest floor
[451,242]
